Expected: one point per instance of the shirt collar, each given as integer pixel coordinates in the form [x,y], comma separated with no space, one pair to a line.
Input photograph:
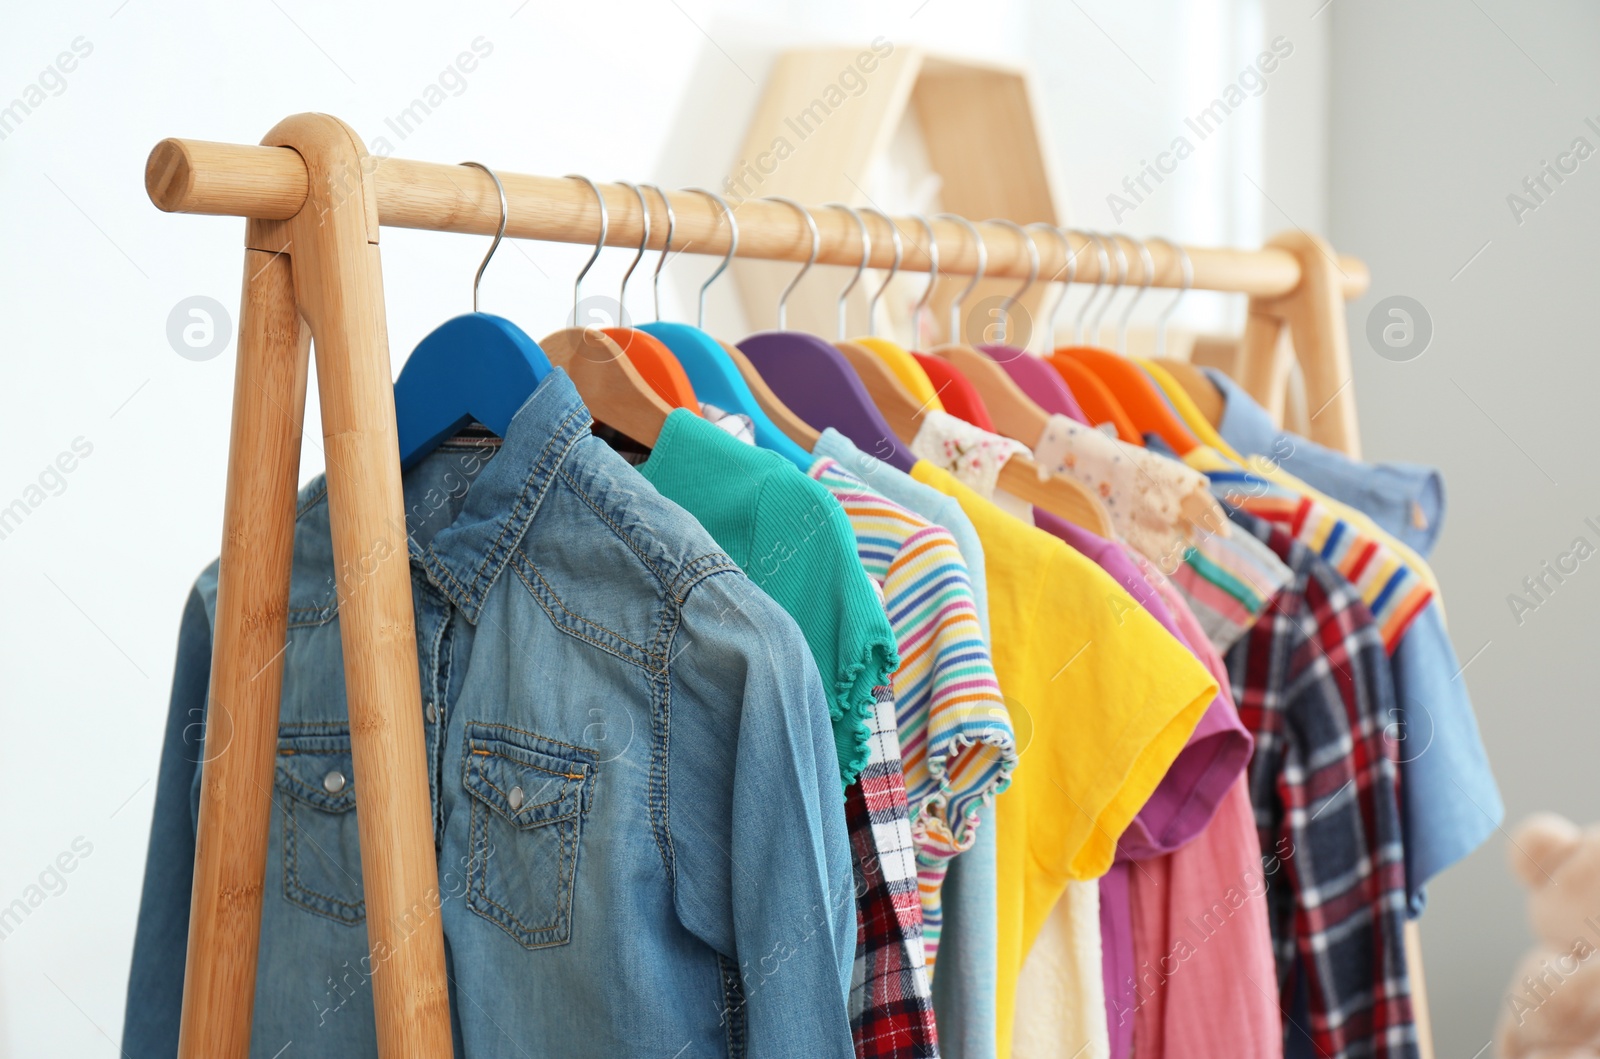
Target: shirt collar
[466,558]
[1245,425]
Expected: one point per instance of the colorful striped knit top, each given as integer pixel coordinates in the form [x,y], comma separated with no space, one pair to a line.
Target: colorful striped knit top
[1392,589]
[956,742]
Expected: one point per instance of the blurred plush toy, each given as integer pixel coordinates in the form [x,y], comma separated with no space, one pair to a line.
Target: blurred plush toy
[1552,1008]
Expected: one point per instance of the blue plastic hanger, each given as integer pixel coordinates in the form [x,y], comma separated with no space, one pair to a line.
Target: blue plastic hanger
[474,367]
[712,373]
[816,381]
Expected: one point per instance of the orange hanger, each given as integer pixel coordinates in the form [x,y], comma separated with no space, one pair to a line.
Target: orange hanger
[606,380]
[650,357]
[1094,397]
[1133,390]
[1138,396]
[656,364]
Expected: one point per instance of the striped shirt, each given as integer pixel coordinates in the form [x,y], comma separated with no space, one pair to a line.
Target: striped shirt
[1394,591]
[956,742]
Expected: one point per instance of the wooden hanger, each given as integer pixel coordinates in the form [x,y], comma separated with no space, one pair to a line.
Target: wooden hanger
[1201,390]
[1019,476]
[1014,413]
[656,365]
[617,395]
[1139,397]
[799,431]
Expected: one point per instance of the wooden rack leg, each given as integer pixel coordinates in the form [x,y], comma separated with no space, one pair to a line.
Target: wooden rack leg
[329,250]
[1314,313]
[241,732]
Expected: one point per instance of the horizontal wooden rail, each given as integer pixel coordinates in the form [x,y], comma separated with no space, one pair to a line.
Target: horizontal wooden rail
[270,183]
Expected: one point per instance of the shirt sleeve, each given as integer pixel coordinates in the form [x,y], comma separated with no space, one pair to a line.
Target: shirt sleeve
[759,851]
[155,984]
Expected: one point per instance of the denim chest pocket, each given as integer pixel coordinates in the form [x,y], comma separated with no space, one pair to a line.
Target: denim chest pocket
[316,797]
[529,796]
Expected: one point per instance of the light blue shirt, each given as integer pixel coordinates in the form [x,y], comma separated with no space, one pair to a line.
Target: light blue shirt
[1406,499]
[1449,801]
[969,947]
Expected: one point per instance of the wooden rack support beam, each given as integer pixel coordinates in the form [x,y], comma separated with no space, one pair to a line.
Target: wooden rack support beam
[197,176]
[315,202]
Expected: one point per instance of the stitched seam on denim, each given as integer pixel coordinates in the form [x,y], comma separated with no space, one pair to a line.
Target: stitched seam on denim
[594,506]
[483,775]
[357,911]
[521,515]
[658,803]
[315,793]
[478,829]
[312,501]
[697,570]
[312,617]
[442,663]
[564,888]
[565,626]
[590,751]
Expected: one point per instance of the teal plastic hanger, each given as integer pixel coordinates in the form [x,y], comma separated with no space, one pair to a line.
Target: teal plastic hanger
[712,373]
[475,367]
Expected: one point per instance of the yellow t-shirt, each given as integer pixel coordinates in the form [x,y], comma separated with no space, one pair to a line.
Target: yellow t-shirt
[1102,699]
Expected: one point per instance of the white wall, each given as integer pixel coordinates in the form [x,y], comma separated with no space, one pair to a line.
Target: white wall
[95,577]
[1439,112]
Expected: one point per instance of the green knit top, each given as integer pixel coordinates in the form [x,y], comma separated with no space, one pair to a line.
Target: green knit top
[793,539]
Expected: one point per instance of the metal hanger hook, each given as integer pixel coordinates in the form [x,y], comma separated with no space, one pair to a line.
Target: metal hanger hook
[816,247]
[599,243]
[1111,295]
[733,248]
[1033,274]
[1103,259]
[499,233]
[977,277]
[1188,282]
[666,246]
[899,255]
[933,277]
[1069,266]
[866,255]
[644,241]
[1148,263]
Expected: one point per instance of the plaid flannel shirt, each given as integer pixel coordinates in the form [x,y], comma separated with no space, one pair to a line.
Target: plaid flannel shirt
[1312,683]
[890,992]
[891,1000]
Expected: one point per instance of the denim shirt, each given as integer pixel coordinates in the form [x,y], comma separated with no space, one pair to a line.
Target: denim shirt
[1406,499]
[636,805]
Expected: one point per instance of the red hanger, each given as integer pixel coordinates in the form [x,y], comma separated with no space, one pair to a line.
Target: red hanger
[957,394]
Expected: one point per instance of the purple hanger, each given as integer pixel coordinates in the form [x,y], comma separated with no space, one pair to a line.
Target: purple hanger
[818,384]
[1038,380]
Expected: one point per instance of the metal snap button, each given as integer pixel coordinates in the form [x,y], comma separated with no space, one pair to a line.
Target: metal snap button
[431,712]
[333,782]
[514,798]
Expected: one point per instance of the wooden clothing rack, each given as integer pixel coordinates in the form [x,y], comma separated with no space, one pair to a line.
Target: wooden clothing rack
[315,201]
